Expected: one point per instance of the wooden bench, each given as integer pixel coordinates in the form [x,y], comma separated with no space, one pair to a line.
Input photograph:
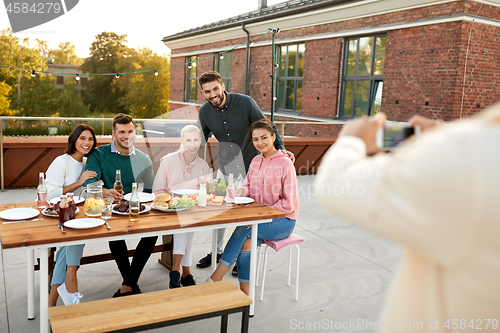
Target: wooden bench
[153,310]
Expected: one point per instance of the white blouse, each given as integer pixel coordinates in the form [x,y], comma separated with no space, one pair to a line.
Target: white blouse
[63,171]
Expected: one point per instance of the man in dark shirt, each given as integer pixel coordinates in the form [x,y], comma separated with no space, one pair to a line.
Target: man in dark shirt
[228,117]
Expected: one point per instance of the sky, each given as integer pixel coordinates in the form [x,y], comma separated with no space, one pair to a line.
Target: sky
[145,22]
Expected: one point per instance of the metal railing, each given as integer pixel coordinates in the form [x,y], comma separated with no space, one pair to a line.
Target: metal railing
[102,121]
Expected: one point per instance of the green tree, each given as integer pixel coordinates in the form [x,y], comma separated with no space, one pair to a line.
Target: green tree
[103,91]
[38,96]
[146,95]
[66,54]
[5,100]
[68,102]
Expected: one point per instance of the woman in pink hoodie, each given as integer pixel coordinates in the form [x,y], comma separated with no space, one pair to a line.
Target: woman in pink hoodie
[270,180]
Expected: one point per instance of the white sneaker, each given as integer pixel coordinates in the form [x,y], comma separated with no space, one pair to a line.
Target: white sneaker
[68,298]
[209,280]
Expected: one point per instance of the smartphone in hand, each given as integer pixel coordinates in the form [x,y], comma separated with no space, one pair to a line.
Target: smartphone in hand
[392,134]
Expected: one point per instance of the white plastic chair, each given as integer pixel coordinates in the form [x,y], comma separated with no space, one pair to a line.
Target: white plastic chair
[292,241]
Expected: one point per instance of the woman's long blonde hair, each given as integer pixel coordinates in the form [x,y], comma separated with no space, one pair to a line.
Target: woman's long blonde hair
[188,129]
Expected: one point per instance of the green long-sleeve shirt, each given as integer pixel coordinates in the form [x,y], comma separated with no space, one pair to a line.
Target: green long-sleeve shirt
[230,125]
[133,168]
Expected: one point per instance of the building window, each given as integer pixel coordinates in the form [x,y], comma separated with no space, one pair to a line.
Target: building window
[362,76]
[191,78]
[289,77]
[223,66]
[59,80]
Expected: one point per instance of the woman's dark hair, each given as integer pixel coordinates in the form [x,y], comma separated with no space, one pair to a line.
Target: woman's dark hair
[262,123]
[75,134]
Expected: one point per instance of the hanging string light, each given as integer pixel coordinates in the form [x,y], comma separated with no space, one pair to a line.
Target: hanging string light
[117,75]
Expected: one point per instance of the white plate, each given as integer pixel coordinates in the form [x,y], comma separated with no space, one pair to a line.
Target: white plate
[169,210]
[77,199]
[49,215]
[147,209]
[19,213]
[143,196]
[185,191]
[242,200]
[85,223]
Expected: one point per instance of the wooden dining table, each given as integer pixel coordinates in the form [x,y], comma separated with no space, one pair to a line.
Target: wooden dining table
[44,233]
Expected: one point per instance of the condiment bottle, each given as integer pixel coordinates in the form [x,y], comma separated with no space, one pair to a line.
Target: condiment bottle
[71,206]
[134,205]
[202,196]
[41,192]
[63,210]
[230,192]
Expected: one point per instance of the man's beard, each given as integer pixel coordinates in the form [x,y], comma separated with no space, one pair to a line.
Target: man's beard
[221,100]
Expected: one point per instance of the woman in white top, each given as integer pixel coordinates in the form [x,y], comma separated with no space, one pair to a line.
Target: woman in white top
[66,174]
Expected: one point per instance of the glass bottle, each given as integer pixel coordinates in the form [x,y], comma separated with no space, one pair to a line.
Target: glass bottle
[202,196]
[210,182]
[118,185]
[134,205]
[71,206]
[63,210]
[230,191]
[41,192]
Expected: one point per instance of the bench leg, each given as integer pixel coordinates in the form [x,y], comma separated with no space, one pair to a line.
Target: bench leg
[244,319]
[223,324]
[31,283]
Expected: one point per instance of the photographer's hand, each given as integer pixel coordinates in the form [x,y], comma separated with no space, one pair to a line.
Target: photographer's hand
[425,123]
[365,128]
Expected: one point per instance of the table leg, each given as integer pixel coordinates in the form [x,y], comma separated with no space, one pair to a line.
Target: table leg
[30,256]
[214,249]
[253,266]
[44,294]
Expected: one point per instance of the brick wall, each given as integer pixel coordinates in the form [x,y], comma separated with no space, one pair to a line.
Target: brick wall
[423,74]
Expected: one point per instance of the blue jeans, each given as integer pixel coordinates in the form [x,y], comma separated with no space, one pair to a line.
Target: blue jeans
[274,230]
[66,256]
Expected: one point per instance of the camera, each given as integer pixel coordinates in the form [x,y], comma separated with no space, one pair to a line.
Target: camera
[392,134]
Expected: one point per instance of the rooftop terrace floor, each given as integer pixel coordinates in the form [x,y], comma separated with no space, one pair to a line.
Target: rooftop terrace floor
[345,277]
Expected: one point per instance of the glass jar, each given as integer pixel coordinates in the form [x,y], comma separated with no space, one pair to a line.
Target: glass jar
[94,202]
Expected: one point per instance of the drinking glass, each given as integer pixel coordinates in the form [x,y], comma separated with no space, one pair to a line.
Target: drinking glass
[108,207]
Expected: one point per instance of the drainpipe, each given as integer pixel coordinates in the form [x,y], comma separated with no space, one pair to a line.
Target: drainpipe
[247,67]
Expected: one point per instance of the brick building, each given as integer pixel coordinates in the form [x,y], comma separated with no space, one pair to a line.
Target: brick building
[340,59]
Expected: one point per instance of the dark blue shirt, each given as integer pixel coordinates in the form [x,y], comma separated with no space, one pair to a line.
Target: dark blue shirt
[231,125]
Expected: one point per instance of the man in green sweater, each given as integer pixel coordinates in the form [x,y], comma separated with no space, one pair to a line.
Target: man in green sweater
[134,166]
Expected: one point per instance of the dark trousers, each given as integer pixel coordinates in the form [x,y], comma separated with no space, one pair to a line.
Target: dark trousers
[132,271]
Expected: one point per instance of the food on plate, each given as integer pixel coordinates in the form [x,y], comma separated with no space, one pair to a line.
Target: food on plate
[183,203]
[122,206]
[213,199]
[192,196]
[162,200]
[52,210]
[167,201]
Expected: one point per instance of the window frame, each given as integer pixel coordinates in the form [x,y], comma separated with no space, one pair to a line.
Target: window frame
[286,78]
[372,78]
[225,79]
[187,91]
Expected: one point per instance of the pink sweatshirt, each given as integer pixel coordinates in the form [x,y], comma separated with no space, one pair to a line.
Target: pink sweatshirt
[168,177]
[272,181]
